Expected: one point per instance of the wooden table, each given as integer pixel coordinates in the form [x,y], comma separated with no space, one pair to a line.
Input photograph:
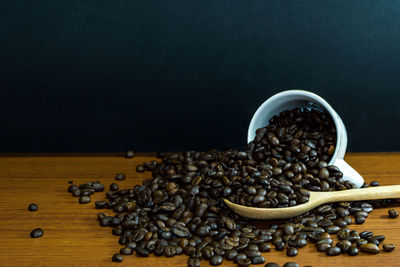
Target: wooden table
[72,236]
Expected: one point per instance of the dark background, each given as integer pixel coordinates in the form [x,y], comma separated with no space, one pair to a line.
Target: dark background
[174,75]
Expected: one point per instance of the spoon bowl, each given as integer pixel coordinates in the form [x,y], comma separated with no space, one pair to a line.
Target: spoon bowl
[316,199]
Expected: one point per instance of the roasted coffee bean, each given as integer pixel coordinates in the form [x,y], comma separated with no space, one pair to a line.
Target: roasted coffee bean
[290,264]
[332,229]
[114,187]
[265,247]
[344,245]
[129,154]
[193,262]
[288,229]
[352,251]
[231,254]
[140,168]
[117,257]
[366,234]
[216,260]
[71,188]
[271,264]
[388,247]
[291,251]
[333,251]
[84,199]
[393,213]
[360,219]
[100,204]
[120,176]
[76,193]
[126,251]
[323,247]
[374,183]
[142,252]
[179,229]
[33,207]
[257,260]
[38,232]
[244,262]
[369,248]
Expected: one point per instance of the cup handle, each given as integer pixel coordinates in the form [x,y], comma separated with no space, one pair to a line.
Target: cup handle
[349,173]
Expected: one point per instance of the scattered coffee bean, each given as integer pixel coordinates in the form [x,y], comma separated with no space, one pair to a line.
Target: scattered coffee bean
[271,264]
[290,264]
[333,251]
[291,252]
[393,213]
[129,154]
[126,251]
[120,177]
[100,204]
[216,260]
[140,168]
[114,187]
[257,260]
[33,207]
[388,247]
[38,232]
[374,183]
[352,251]
[117,257]
[84,199]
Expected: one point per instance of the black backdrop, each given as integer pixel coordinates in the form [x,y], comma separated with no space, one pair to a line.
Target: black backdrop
[174,75]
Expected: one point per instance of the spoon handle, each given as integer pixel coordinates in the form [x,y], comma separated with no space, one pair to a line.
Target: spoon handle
[379,192]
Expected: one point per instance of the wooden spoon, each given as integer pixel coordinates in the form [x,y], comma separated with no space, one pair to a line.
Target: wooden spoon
[316,199]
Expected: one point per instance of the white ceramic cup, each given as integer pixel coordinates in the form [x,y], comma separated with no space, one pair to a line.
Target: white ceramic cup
[302,99]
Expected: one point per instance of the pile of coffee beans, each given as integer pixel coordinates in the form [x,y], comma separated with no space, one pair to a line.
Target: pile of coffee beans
[180,210]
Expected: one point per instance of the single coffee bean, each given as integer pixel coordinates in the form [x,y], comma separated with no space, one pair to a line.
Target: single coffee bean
[193,262]
[142,252]
[117,257]
[84,199]
[360,219]
[100,204]
[333,251]
[126,251]
[352,251]
[323,247]
[33,207]
[120,177]
[216,260]
[291,251]
[231,254]
[369,248]
[290,264]
[129,154]
[265,247]
[344,245]
[374,183]
[257,260]
[244,262]
[114,187]
[38,232]
[388,247]
[271,264]
[140,168]
[76,193]
[393,213]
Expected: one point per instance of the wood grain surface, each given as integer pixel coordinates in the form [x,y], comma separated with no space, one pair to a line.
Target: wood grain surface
[73,237]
